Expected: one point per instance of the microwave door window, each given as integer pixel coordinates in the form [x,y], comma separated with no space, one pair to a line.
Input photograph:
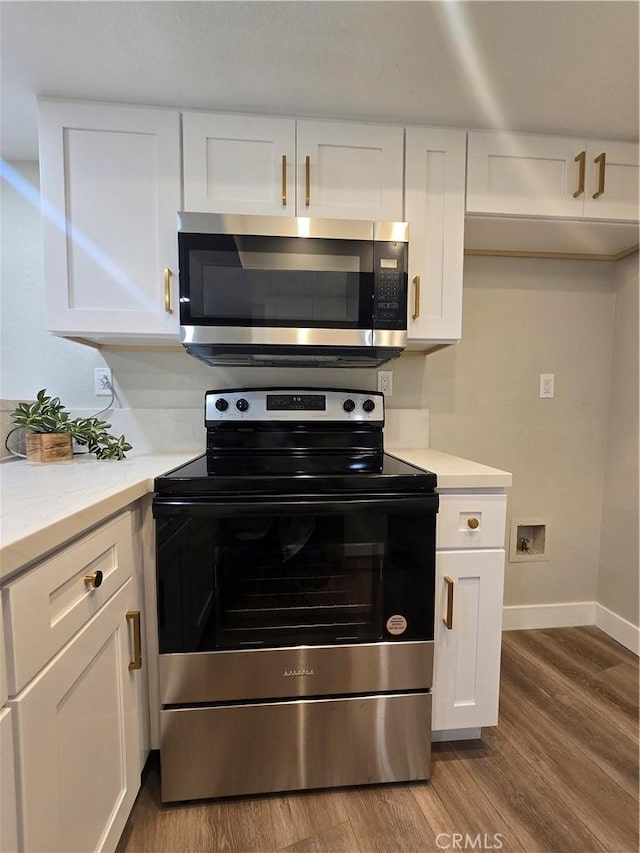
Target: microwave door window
[251,285]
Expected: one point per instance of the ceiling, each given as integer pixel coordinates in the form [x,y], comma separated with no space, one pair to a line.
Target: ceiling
[553,67]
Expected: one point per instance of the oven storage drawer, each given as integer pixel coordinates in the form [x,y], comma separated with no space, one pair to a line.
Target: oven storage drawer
[230,676]
[285,746]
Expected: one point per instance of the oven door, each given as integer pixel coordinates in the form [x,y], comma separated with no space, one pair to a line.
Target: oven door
[300,571]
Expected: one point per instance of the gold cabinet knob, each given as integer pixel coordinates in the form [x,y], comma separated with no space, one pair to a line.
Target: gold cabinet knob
[94,580]
[473,523]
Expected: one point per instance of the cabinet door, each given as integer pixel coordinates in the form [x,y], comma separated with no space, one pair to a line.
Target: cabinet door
[434,186]
[467,655]
[523,175]
[619,199]
[239,164]
[110,185]
[349,171]
[77,729]
[8,813]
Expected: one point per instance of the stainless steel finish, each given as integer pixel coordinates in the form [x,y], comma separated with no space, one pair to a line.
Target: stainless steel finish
[391,232]
[257,411]
[284,746]
[292,226]
[299,671]
[277,336]
[395,338]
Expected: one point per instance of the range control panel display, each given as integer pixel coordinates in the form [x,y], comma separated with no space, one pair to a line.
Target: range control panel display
[296,402]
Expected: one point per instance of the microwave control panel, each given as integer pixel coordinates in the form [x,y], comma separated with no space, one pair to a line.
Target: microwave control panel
[390,286]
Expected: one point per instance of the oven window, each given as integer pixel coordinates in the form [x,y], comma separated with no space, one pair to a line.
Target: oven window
[298,578]
[275,281]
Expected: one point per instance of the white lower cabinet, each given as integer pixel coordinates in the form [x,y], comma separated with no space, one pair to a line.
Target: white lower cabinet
[77,738]
[467,648]
[468,613]
[8,811]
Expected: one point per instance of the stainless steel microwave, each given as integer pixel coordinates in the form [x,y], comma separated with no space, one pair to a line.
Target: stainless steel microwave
[277,291]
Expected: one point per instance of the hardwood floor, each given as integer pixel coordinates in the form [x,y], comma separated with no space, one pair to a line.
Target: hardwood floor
[559,773]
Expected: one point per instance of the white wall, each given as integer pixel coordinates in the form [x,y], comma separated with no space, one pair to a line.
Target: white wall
[521,318]
[32,358]
[618,570]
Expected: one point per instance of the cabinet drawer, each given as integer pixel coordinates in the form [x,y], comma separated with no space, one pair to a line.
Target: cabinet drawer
[471,521]
[45,607]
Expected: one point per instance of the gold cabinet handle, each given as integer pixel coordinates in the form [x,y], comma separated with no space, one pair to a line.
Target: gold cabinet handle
[167,291]
[473,523]
[133,616]
[284,180]
[581,158]
[94,580]
[602,162]
[448,619]
[307,170]
[416,297]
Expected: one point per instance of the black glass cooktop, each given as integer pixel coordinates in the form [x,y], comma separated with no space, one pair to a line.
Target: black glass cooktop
[245,473]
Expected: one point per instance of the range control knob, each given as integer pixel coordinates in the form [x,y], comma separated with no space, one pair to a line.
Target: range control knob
[242,405]
[368,405]
[221,404]
[348,405]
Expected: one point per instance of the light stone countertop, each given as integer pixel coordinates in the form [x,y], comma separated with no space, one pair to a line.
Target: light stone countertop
[44,505]
[453,472]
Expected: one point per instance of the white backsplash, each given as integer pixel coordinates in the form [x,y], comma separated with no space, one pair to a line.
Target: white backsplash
[6,424]
[406,428]
[182,430]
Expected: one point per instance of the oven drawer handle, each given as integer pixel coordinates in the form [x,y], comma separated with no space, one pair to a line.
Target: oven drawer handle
[448,619]
[134,617]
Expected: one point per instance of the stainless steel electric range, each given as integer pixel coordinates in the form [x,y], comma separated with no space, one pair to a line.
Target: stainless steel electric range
[295,577]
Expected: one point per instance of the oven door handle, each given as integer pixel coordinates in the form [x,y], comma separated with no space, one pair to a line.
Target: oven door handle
[274,506]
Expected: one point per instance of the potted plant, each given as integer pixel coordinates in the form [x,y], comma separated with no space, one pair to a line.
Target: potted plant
[50,432]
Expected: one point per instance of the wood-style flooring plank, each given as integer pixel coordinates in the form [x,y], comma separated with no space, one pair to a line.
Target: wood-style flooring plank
[300,816]
[455,803]
[558,773]
[337,839]
[387,819]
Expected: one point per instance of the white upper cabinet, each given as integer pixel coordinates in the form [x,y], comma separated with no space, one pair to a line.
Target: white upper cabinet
[613,168]
[280,167]
[349,171]
[239,164]
[110,185]
[548,176]
[434,209]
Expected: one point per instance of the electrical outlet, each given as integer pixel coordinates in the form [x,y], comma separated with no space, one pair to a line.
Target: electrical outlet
[103,381]
[546,385]
[385,382]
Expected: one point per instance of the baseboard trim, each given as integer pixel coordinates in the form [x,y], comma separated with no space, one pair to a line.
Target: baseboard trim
[624,632]
[569,615]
